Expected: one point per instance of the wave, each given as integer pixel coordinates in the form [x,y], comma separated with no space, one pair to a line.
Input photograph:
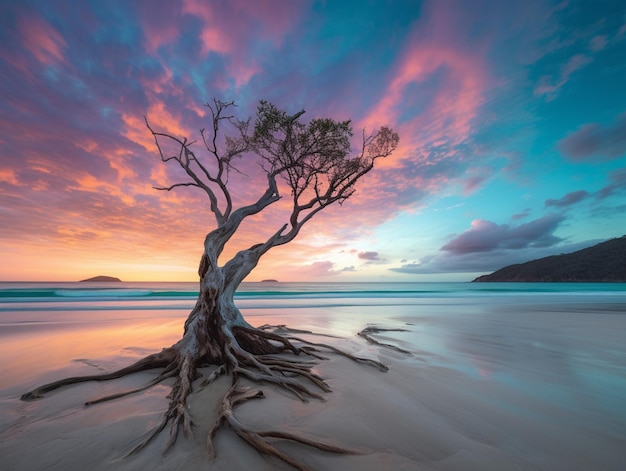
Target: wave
[50,294]
[143,292]
[97,293]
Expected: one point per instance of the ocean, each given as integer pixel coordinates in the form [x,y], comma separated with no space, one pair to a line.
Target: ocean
[545,363]
[34,296]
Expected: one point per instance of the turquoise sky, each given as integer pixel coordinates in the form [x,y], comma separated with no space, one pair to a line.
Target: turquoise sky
[511,114]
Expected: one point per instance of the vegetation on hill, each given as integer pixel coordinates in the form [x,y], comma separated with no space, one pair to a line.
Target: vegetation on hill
[602,262]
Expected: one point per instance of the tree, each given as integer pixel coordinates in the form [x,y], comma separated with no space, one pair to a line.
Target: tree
[314,162]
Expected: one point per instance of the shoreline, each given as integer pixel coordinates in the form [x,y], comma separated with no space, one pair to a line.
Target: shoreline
[489,386]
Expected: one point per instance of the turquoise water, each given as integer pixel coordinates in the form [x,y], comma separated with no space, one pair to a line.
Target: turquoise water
[21,296]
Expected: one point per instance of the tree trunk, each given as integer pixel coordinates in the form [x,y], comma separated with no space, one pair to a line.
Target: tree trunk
[215,321]
[216,333]
[314,159]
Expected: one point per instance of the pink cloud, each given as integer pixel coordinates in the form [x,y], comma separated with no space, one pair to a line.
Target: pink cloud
[89,183]
[161,25]
[272,267]
[162,84]
[8,176]
[227,23]
[440,76]
[243,72]
[41,39]
[160,118]
[235,28]
[214,35]
[317,269]
[433,97]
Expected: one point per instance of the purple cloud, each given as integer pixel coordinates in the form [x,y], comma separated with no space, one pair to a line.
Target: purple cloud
[369,255]
[486,236]
[567,200]
[617,184]
[521,215]
[594,140]
[474,183]
[485,262]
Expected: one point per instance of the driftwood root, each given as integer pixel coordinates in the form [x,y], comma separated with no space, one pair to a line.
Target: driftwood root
[370,331]
[269,354]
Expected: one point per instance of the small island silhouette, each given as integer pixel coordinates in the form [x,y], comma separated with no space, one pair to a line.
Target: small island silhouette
[101,278]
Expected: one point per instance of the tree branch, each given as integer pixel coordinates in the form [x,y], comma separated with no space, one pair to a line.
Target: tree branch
[314,160]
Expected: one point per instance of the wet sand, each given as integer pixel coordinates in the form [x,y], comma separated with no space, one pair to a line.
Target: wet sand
[511,383]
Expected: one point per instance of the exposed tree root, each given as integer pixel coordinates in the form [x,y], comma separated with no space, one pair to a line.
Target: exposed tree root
[156,360]
[367,335]
[259,440]
[264,355]
[282,328]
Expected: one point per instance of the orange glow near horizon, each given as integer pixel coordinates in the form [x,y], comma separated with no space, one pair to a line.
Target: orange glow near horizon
[497,118]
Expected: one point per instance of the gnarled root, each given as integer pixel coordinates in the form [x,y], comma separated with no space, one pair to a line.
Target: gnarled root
[156,360]
[177,414]
[370,330]
[260,440]
[264,355]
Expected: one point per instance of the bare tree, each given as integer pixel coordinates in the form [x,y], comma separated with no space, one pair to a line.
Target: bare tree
[315,162]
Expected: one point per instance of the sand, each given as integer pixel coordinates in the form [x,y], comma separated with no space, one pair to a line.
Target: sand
[539,390]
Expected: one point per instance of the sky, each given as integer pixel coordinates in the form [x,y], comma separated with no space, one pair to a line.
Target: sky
[511,116]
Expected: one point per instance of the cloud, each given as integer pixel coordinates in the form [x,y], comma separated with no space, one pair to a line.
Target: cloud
[41,39]
[549,87]
[316,270]
[567,200]
[486,236]
[595,141]
[487,246]
[369,256]
[237,30]
[480,263]
[617,184]
[78,163]
[473,184]
[469,263]
[598,43]
[522,215]
[161,26]
[9,176]
[440,78]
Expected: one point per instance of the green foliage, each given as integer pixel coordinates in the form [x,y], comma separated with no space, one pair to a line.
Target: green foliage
[316,158]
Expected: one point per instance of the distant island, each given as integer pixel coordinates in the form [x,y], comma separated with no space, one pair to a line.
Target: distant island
[604,262]
[269,281]
[101,278]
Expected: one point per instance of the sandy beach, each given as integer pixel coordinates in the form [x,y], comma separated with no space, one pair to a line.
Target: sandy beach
[528,383]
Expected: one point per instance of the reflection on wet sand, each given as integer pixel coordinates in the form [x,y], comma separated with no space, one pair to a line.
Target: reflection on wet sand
[492,383]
